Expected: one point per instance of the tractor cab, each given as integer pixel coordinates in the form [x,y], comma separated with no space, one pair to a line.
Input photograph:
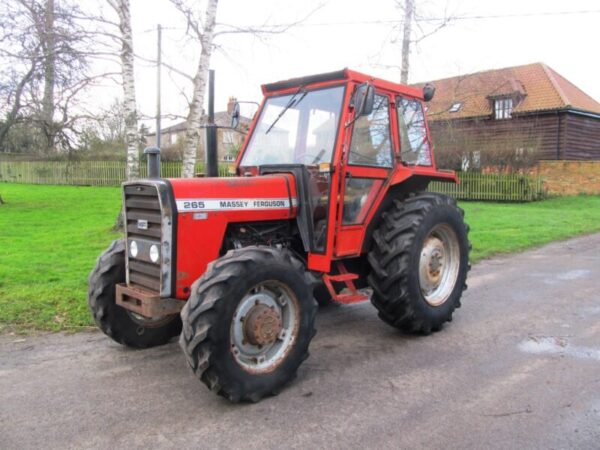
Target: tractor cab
[344,135]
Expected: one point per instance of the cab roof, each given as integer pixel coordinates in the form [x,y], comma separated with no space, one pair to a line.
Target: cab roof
[340,75]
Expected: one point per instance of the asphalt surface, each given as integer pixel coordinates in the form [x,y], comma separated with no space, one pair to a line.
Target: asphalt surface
[519,367]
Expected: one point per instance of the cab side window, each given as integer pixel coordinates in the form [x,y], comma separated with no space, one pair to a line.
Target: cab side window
[371,144]
[414,145]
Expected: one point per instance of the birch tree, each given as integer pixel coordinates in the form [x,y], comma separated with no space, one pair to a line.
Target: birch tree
[122,9]
[204,32]
[203,29]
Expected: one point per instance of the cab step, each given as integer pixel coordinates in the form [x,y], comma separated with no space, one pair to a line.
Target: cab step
[348,294]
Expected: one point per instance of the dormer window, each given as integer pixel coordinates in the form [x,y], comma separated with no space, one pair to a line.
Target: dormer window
[455,107]
[503,108]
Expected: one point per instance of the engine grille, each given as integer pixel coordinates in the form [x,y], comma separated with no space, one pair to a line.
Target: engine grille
[144,226]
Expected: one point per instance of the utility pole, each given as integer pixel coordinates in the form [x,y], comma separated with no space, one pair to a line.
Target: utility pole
[158,66]
[409,10]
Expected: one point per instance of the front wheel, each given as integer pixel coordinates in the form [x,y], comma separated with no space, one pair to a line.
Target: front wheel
[123,326]
[248,323]
[419,262]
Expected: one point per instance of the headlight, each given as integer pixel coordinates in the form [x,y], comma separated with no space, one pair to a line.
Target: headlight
[154,253]
[133,249]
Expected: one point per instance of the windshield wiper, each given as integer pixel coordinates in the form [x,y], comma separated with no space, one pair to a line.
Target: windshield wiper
[293,102]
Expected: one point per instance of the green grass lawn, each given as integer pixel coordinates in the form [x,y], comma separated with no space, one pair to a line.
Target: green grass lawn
[50,237]
[510,227]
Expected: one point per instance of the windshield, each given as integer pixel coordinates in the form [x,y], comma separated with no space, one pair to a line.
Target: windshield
[304,133]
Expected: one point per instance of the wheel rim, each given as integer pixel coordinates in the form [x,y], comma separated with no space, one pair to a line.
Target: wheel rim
[264,327]
[439,265]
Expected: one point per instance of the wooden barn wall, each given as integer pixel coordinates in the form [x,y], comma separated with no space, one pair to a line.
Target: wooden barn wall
[582,138]
[540,133]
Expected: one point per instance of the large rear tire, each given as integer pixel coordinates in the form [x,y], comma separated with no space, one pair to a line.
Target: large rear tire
[419,261]
[119,324]
[248,322]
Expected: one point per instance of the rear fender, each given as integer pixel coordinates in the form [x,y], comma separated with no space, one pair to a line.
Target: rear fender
[402,186]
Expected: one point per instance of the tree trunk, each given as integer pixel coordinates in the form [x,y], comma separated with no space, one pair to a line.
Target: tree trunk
[192,135]
[408,18]
[49,46]
[11,116]
[129,103]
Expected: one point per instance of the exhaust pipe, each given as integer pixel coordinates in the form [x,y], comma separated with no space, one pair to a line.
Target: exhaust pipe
[153,161]
[212,160]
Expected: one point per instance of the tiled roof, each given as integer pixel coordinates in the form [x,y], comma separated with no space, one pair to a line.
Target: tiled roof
[538,87]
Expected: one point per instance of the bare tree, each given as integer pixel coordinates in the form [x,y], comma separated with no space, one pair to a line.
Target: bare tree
[426,24]
[44,54]
[49,47]
[204,32]
[417,24]
[127,69]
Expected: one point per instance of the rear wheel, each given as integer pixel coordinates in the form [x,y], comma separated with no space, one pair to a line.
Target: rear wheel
[121,325]
[419,262]
[248,322]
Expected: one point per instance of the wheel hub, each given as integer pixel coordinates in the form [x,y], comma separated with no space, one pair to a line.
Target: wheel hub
[262,325]
[433,257]
[439,265]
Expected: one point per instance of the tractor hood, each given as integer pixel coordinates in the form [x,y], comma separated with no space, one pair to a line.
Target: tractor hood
[206,206]
[268,197]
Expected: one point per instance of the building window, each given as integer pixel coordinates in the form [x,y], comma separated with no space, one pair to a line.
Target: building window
[476,159]
[172,138]
[228,137]
[465,163]
[503,108]
[455,107]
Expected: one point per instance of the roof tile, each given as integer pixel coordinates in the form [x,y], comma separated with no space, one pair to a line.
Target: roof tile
[540,88]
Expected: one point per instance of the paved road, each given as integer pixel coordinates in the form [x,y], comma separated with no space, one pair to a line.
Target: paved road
[518,368]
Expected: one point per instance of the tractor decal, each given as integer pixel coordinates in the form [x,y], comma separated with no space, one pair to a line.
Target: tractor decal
[194,204]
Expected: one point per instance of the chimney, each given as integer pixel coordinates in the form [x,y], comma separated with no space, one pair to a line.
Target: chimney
[231,104]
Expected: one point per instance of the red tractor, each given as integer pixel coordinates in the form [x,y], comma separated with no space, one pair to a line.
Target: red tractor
[329,203]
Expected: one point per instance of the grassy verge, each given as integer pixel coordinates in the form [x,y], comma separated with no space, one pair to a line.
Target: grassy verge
[50,237]
[510,227]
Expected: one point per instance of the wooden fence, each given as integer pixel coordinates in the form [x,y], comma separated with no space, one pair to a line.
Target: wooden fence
[83,173]
[493,187]
[473,186]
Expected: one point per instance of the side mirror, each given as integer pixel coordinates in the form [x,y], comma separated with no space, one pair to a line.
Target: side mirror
[428,92]
[363,99]
[235,115]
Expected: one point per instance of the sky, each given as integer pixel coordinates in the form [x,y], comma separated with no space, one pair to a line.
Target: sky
[364,36]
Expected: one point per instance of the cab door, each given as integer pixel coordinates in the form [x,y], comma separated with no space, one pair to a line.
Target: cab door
[369,161]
